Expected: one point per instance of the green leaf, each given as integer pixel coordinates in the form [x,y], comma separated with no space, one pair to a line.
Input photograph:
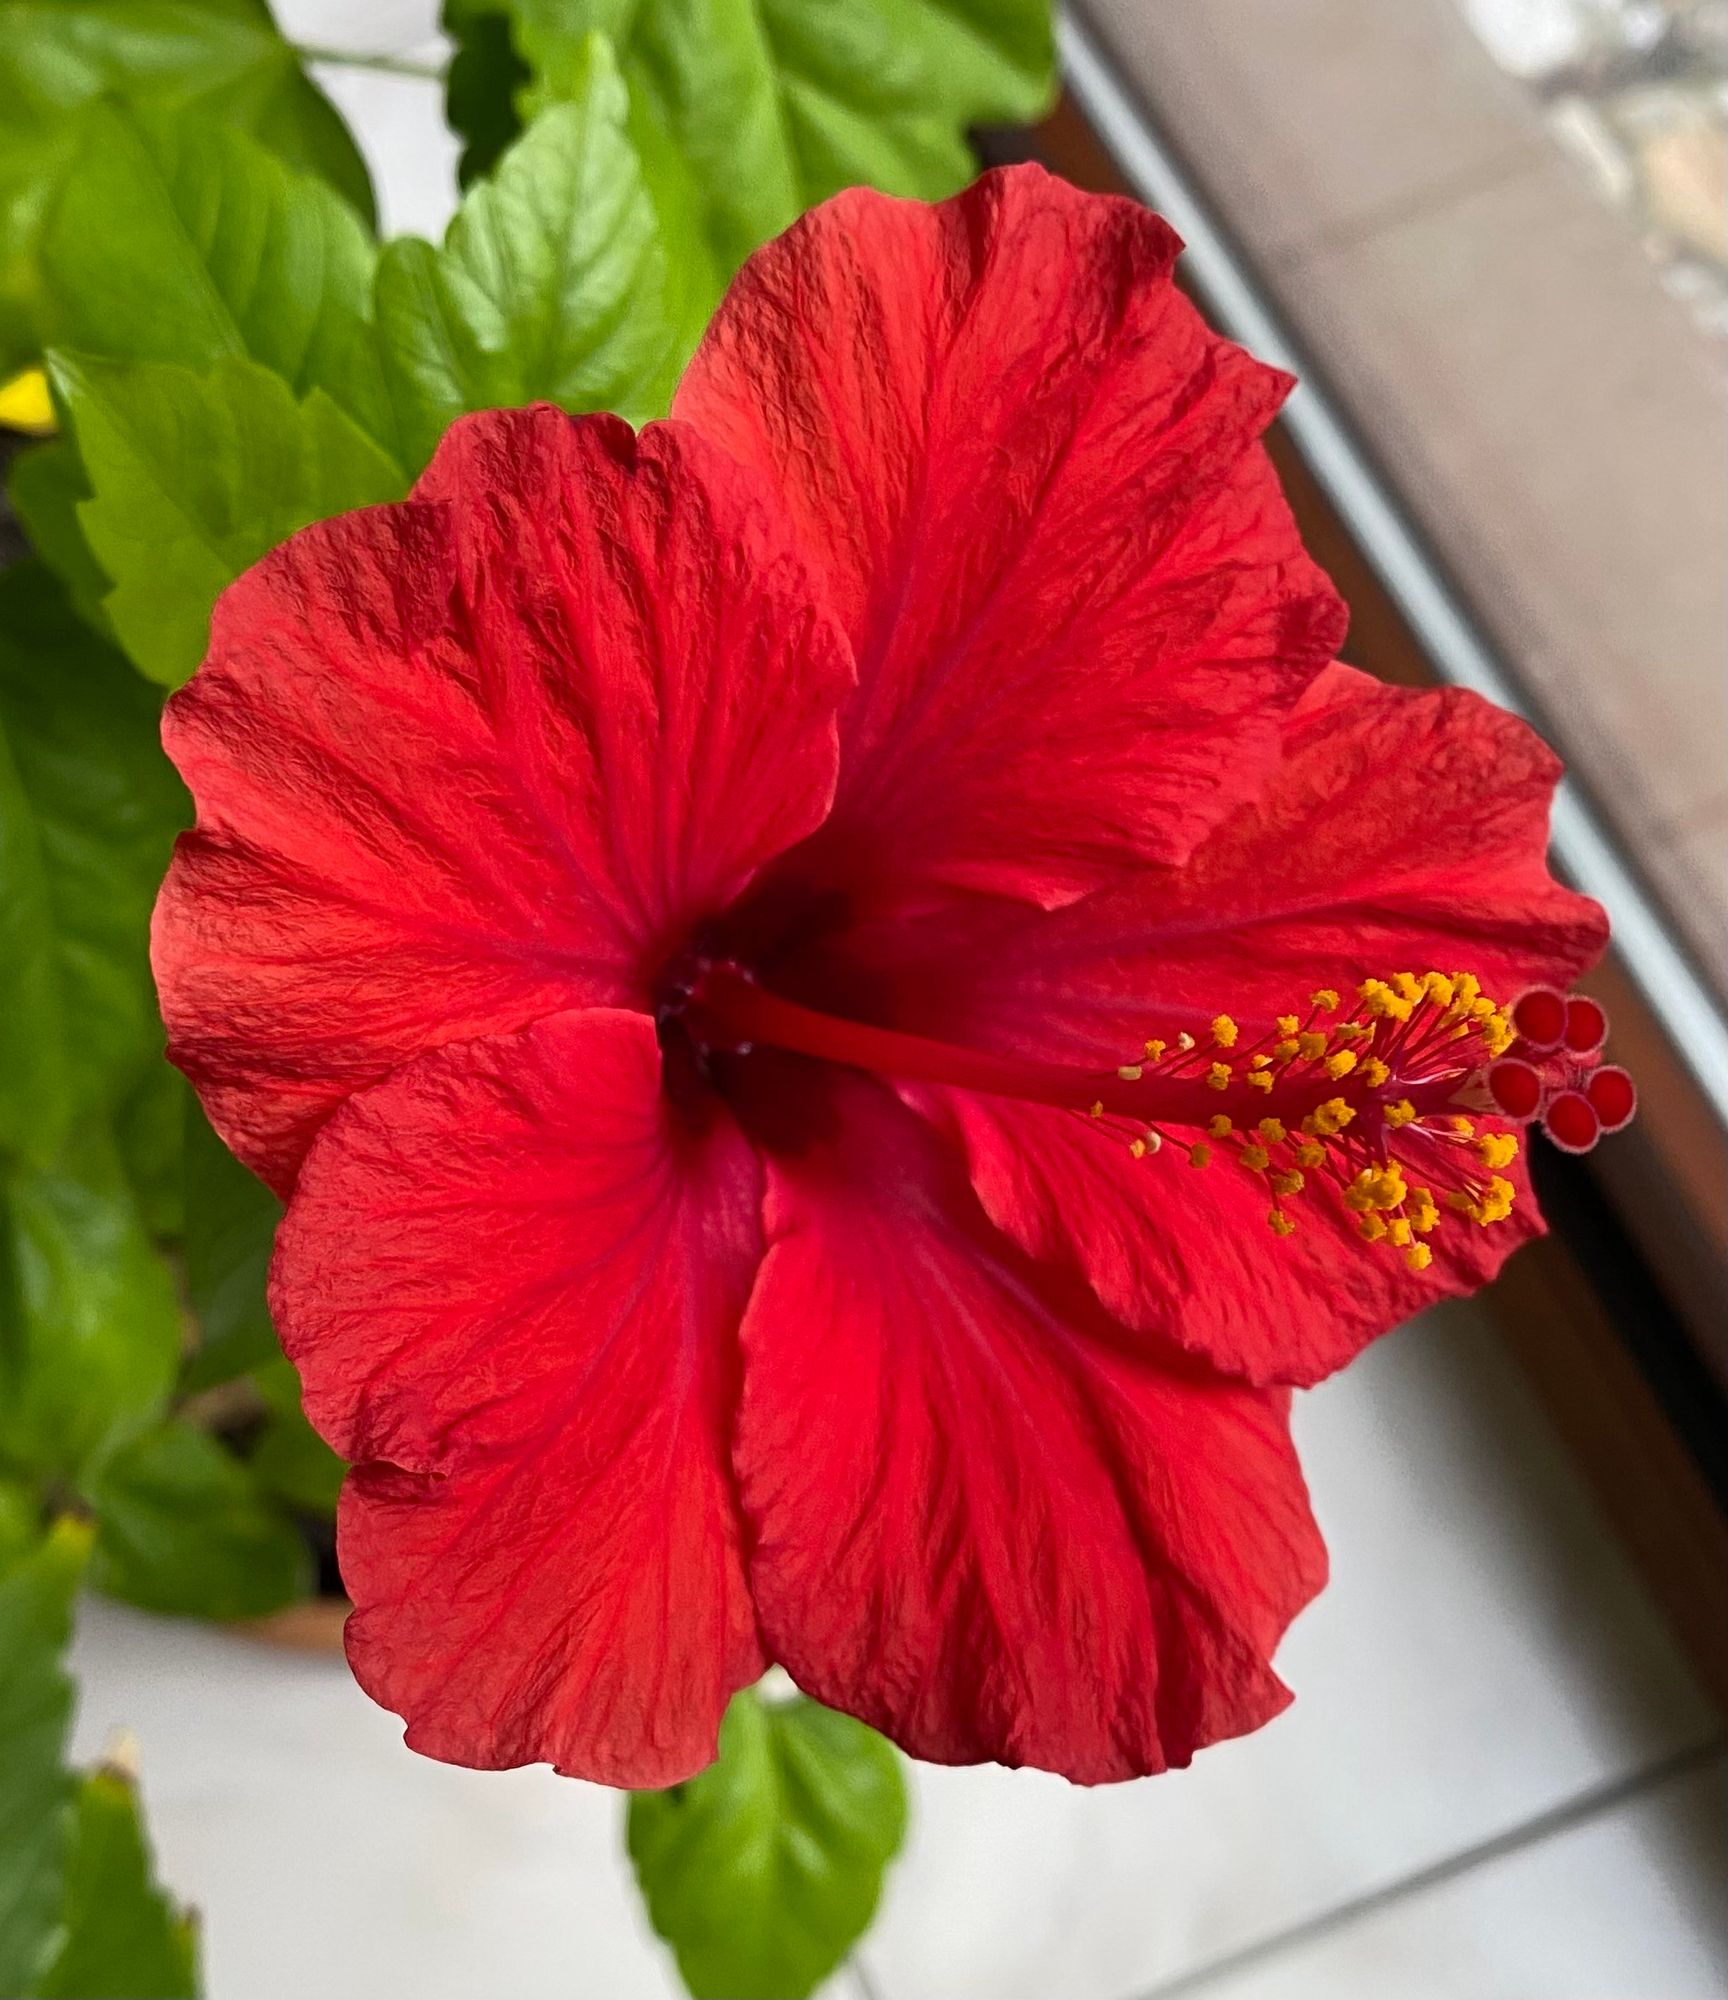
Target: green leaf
[47,486]
[231,1219]
[185,1528]
[89,1324]
[150,1131]
[175,240]
[124,1939]
[92,806]
[36,1597]
[777,104]
[220,62]
[764,1871]
[553,284]
[480,87]
[290,1459]
[195,475]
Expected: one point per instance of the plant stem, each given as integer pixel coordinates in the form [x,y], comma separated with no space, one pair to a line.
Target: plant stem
[385,64]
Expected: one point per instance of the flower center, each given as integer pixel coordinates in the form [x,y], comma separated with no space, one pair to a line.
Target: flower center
[1403,1099]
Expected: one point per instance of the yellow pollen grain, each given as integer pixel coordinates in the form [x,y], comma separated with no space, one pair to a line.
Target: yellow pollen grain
[1260,1079]
[1260,1062]
[1256,1159]
[1097,1110]
[1199,1154]
[1421,1209]
[1280,1224]
[1371,1229]
[1481,1007]
[1400,1233]
[1374,1072]
[1499,1034]
[1137,1147]
[1272,1131]
[1288,1182]
[1465,987]
[1289,1047]
[1153,1141]
[1353,1031]
[1463,1127]
[1129,1072]
[1155,1050]
[1220,1127]
[1184,1041]
[1224,1031]
[1438,988]
[1341,1063]
[1408,987]
[1311,1047]
[1459,1201]
[1310,1153]
[1497,1149]
[1418,1256]
[1326,1120]
[1289,1023]
[1401,1113]
[1218,1076]
[1324,998]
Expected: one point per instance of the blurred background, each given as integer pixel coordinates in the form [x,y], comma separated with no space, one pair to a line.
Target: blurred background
[1494,236]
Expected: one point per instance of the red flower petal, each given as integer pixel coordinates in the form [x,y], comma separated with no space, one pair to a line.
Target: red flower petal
[1185,1254]
[982,1523]
[1077,598]
[470,760]
[510,1279]
[1402,831]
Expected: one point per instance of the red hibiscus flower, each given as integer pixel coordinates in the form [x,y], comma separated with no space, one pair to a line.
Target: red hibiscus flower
[782,966]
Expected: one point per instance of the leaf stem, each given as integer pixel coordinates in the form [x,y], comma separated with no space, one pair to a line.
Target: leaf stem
[387,65]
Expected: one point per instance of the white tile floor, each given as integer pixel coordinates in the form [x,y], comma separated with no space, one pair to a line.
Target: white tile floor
[1481,1664]
[1481,1660]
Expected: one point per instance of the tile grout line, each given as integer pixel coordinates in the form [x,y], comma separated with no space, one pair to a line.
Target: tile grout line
[1582,1810]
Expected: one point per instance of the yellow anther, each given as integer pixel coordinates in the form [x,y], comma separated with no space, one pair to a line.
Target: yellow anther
[1280,1224]
[1097,1110]
[1289,1181]
[1311,1047]
[1310,1153]
[1184,1041]
[1438,988]
[1256,1159]
[1465,987]
[1374,1072]
[1138,1148]
[1324,998]
[1371,1229]
[1260,1079]
[1155,1050]
[1497,1149]
[1199,1154]
[1220,1127]
[1399,1230]
[1499,1034]
[1496,1204]
[1377,1187]
[1224,1031]
[1464,1127]
[1408,987]
[1153,1141]
[1418,1256]
[1353,1031]
[1423,1213]
[1481,1007]
[1384,1001]
[1218,1077]
[1260,1062]
[1341,1063]
[1289,1023]
[1272,1131]
[1400,1114]
[1459,1201]
[1129,1072]
[1289,1047]
[1326,1120]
